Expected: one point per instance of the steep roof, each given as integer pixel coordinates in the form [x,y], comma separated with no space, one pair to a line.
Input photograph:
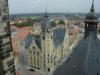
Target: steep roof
[58,36]
[28,40]
[85,59]
[38,40]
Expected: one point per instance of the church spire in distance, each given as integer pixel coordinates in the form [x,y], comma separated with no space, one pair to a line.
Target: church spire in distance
[45,15]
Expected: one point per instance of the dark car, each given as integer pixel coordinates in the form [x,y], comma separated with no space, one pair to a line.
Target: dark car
[69,58]
[31,70]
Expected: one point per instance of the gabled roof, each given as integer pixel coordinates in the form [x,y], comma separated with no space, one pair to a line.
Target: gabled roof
[58,36]
[37,39]
[28,40]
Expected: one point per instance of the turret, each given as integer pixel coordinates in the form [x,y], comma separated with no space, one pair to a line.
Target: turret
[91,21]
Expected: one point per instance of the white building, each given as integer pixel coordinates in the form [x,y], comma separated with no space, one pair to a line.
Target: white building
[48,48]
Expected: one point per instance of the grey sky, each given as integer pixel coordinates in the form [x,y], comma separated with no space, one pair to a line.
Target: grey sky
[34,6]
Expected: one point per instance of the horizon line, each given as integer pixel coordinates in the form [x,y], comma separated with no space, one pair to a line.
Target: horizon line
[52,13]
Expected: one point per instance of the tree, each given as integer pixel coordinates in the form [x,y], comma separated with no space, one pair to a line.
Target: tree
[53,24]
[62,22]
[24,24]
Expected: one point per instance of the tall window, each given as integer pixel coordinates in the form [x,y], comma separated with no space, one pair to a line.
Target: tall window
[0,12]
[48,69]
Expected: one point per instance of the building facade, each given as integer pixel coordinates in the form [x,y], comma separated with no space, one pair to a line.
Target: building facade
[6,55]
[48,48]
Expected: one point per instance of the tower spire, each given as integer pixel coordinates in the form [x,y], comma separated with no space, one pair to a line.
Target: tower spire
[92,7]
[46,9]
[91,21]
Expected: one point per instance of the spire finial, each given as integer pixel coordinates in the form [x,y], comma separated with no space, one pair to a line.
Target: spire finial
[92,7]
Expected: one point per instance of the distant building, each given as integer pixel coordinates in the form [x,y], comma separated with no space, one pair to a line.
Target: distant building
[6,53]
[36,29]
[73,34]
[48,48]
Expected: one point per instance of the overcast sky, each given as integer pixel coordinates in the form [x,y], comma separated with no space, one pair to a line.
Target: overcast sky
[38,6]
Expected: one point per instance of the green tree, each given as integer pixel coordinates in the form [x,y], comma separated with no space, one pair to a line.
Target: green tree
[53,24]
[62,22]
[24,24]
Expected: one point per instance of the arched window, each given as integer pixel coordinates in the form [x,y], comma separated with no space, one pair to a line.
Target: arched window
[87,25]
[48,69]
[51,37]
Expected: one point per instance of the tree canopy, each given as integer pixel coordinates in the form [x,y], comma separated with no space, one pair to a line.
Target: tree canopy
[62,22]
[24,24]
[53,24]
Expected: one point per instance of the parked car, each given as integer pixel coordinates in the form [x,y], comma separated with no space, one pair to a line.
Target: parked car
[31,69]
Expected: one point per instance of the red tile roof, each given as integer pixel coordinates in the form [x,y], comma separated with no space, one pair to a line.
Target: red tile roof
[20,35]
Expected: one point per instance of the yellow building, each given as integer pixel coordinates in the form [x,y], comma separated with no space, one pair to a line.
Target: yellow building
[47,49]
